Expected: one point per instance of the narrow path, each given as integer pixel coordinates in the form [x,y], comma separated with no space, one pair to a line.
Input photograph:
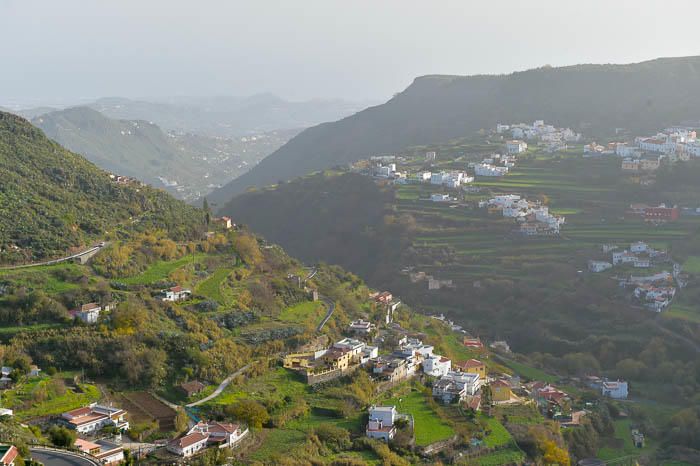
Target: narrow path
[222,386]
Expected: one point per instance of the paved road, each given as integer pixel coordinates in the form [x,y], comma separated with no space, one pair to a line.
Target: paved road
[55,261]
[60,458]
[222,386]
[331,307]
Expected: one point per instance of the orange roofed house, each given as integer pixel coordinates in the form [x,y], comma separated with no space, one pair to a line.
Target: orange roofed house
[472,343]
[94,417]
[8,455]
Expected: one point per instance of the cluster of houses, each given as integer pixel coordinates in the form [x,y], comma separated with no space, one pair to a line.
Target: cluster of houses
[639,255]
[534,218]
[645,153]
[497,164]
[323,365]
[655,292]
[89,420]
[553,139]
[433,283]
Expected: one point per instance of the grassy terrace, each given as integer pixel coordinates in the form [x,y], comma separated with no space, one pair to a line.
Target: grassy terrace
[211,287]
[161,270]
[581,189]
[429,427]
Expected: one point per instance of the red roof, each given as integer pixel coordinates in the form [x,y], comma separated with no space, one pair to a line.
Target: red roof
[500,383]
[176,289]
[89,307]
[189,440]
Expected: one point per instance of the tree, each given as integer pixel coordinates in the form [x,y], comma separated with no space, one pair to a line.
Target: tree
[207,211]
[62,436]
[249,411]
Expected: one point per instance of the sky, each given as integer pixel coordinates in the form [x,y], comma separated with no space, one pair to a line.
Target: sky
[76,50]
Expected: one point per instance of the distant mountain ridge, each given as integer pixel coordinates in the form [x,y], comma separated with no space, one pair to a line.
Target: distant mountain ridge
[185,164]
[594,99]
[227,116]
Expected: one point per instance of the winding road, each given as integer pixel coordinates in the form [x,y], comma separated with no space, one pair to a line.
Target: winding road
[222,386]
[57,261]
[54,457]
[331,307]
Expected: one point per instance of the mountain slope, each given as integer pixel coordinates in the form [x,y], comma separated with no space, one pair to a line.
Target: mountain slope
[592,98]
[187,165]
[52,200]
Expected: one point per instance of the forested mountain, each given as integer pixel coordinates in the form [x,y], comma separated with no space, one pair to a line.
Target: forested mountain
[227,116]
[52,199]
[188,165]
[595,99]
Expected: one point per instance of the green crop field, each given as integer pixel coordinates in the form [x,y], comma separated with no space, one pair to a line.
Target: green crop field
[496,434]
[161,270]
[211,287]
[429,427]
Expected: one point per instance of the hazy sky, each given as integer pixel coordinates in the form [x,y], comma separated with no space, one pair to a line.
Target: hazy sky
[299,49]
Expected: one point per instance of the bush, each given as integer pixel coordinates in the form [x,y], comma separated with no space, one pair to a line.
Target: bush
[61,436]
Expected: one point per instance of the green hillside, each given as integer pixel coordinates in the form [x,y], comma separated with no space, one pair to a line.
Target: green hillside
[594,98]
[52,200]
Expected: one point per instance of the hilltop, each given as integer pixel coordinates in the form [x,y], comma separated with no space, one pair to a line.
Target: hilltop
[187,165]
[433,109]
[52,200]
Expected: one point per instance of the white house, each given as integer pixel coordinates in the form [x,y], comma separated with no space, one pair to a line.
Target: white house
[436,365]
[188,445]
[94,417]
[351,345]
[516,146]
[176,293]
[598,266]
[224,435]
[89,313]
[455,386]
[361,327]
[381,422]
[616,389]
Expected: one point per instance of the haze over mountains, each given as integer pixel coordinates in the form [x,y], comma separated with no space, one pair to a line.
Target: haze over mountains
[595,98]
[187,164]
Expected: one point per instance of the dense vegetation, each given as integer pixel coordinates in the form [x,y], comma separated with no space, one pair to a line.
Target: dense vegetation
[597,98]
[52,200]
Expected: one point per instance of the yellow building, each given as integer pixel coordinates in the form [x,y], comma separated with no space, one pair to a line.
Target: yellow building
[298,360]
[500,391]
[473,366]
